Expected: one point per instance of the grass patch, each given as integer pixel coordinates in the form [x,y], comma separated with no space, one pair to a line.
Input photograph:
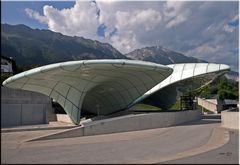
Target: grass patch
[146,107]
[176,106]
[203,109]
[4,76]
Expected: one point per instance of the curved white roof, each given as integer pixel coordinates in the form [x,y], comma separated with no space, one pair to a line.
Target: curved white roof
[185,71]
[98,86]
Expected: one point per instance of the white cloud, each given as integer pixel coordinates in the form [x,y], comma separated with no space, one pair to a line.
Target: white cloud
[205,50]
[80,20]
[178,19]
[146,19]
[124,43]
[175,13]
[228,28]
[235,18]
[198,29]
[35,15]
[138,21]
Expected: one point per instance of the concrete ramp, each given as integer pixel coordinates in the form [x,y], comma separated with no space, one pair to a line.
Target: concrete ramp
[130,122]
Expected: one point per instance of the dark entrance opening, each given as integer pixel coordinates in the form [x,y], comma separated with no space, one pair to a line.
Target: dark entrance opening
[58,109]
[187,103]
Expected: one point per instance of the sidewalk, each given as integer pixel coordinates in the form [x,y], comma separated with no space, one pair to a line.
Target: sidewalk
[51,125]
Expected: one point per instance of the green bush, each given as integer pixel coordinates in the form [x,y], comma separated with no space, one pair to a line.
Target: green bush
[4,76]
[225,94]
[221,88]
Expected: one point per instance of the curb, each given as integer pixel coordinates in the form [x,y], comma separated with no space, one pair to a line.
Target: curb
[6,130]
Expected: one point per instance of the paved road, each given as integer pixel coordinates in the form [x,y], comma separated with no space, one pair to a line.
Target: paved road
[227,154]
[148,146]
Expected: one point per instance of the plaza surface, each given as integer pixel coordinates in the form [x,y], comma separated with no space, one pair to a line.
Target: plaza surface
[202,141]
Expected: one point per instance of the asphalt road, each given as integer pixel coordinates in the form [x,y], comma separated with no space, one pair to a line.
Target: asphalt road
[227,154]
[160,145]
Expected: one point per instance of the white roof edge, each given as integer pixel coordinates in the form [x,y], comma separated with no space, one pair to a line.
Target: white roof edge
[112,62]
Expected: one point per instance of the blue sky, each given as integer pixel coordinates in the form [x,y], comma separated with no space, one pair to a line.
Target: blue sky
[14,12]
[205,30]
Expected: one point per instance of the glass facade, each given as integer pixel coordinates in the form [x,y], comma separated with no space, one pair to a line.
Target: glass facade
[97,86]
[185,77]
[106,86]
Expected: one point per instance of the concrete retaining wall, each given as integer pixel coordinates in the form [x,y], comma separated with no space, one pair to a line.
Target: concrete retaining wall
[139,122]
[230,119]
[133,122]
[210,105]
[63,118]
[20,107]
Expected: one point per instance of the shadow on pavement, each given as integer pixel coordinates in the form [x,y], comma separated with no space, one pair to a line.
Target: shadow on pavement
[205,119]
[227,154]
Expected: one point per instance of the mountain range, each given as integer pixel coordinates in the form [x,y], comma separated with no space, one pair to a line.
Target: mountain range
[40,47]
[161,55]
[35,47]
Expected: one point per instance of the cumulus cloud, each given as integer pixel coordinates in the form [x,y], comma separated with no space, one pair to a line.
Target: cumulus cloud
[205,50]
[138,21]
[35,15]
[80,20]
[175,13]
[228,28]
[205,30]
[232,25]
[147,19]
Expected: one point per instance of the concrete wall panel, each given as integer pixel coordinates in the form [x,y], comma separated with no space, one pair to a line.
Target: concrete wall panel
[230,119]
[10,114]
[20,107]
[33,114]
